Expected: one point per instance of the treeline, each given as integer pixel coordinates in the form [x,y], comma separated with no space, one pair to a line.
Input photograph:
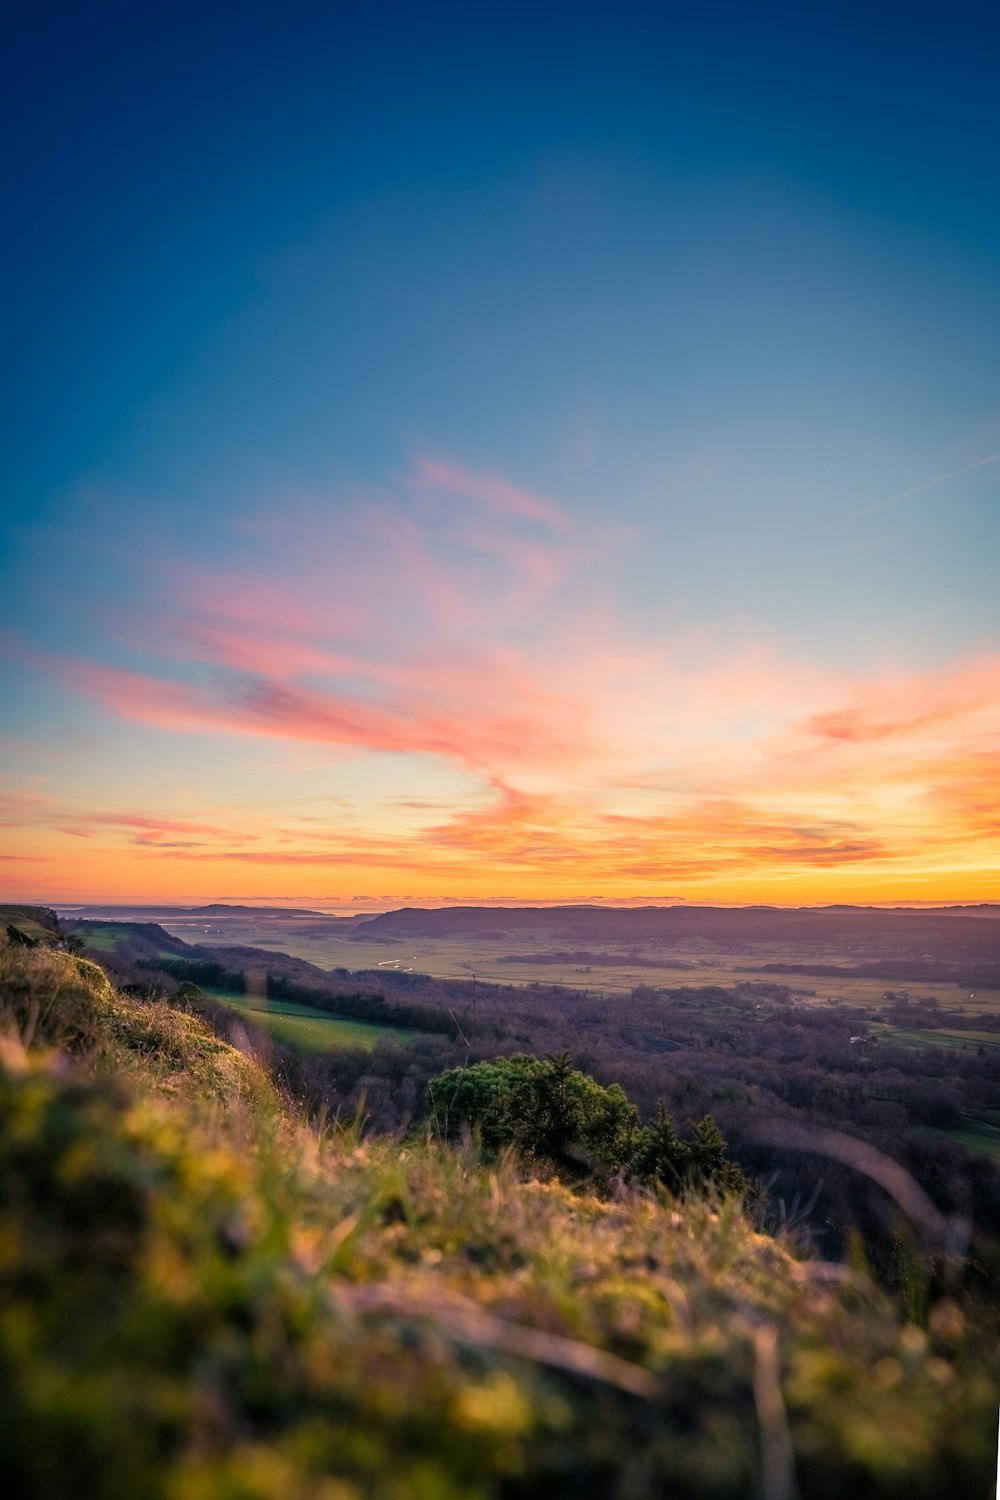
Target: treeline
[592,960]
[357,1004]
[964,973]
[926,1013]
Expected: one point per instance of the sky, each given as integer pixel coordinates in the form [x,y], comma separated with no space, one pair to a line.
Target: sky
[500,453]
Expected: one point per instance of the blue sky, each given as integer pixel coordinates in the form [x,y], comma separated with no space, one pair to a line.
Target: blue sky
[705,278]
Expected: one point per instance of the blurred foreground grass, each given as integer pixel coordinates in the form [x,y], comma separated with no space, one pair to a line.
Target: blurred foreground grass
[203,1296]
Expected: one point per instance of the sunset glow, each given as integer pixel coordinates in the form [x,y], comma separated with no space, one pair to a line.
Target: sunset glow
[609,513]
[438,695]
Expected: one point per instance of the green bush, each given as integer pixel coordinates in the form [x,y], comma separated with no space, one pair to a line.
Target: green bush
[544,1106]
[551,1112]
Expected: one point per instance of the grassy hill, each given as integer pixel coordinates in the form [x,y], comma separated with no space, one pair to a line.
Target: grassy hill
[201,1295]
[305,1027]
[36,923]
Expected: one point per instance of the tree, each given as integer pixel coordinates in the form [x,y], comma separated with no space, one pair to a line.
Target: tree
[665,1156]
[550,1111]
[662,1153]
[19,938]
[709,1163]
[545,1107]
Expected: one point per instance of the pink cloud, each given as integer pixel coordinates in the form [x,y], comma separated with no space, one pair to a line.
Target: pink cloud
[487,729]
[490,490]
[884,709]
[144,828]
[475,635]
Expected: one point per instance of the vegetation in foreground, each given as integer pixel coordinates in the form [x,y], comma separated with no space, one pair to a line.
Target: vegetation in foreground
[200,1295]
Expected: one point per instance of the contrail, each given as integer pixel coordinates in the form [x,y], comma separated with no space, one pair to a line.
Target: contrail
[905,494]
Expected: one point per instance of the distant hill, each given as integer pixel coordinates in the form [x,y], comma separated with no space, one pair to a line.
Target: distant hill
[214,909]
[744,924]
[866,942]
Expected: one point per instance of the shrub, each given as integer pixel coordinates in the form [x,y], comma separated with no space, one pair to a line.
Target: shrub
[550,1111]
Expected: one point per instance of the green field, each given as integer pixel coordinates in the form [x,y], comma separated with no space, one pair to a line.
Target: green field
[977,1136]
[108,937]
[947,1037]
[306,1028]
[103,937]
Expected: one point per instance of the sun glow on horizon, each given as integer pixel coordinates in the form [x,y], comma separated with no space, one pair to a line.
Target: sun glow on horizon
[439,691]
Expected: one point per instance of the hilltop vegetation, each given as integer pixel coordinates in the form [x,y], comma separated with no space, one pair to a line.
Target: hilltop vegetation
[202,1295]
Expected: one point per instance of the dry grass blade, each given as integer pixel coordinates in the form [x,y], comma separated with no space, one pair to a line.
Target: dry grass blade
[777,1454]
[463,1321]
[951,1235]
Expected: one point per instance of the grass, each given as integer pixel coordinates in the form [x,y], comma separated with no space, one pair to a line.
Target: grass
[108,937]
[307,1028]
[57,1000]
[102,937]
[33,921]
[979,1136]
[946,1037]
[204,1298]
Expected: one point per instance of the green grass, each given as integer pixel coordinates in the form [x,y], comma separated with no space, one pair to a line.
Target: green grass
[978,1136]
[946,1037]
[102,937]
[108,937]
[304,1027]
[32,921]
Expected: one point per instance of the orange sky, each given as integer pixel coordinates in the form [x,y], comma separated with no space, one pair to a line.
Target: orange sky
[443,694]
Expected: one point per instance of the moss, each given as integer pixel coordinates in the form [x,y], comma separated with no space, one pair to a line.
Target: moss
[185,1056]
[55,999]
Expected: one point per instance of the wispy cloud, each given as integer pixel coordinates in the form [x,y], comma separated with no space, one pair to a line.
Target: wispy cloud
[440,476]
[466,622]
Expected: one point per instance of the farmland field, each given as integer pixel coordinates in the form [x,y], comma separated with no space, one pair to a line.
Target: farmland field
[579,951]
[304,1027]
[978,1136]
[947,1037]
[528,958]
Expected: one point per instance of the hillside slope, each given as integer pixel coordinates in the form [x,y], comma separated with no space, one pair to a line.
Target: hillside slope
[864,931]
[201,1296]
[37,924]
